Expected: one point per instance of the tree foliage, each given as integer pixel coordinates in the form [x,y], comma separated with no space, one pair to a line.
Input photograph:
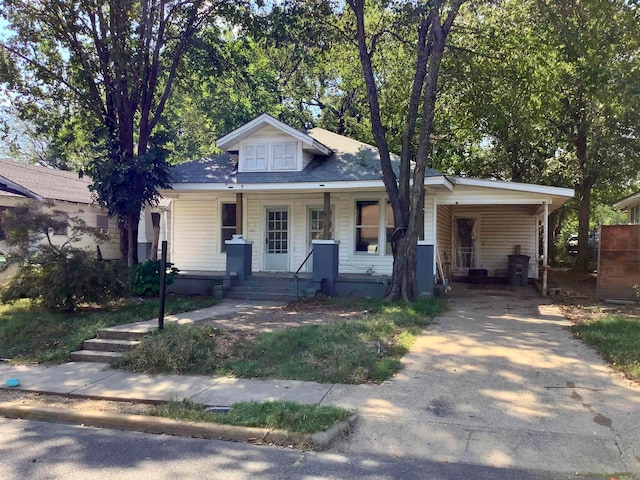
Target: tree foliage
[111,65]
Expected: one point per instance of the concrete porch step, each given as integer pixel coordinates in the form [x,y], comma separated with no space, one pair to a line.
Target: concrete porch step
[252,295]
[93,356]
[126,333]
[109,345]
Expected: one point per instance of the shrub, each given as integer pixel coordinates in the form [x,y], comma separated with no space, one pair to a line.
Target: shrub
[177,349]
[146,277]
[63,282]
[60,275]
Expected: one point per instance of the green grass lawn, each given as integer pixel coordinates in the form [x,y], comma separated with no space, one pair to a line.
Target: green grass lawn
[289,416]
[617,338]
[29,333]
[364,350]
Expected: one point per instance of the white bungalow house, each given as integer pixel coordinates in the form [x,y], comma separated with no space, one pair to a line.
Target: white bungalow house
[59,191]
[274,183]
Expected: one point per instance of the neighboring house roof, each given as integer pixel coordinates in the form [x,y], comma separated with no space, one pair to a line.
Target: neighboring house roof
[628,201]
[46,182]
[349,160]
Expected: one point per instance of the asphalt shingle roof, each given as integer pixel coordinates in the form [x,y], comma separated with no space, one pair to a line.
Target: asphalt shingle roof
[351,160]
[47,182]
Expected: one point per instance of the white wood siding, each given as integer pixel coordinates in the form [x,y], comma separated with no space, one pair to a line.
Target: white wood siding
[196,230]
[501,229]
[429,218]
[195,236]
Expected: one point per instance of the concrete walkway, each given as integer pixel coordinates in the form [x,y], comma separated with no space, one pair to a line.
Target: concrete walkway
[500,381]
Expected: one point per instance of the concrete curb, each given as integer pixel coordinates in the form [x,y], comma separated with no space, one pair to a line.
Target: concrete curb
[322,440]
[149,424]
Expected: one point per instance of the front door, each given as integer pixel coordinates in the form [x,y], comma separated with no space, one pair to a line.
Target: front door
[276,253]
[465,243]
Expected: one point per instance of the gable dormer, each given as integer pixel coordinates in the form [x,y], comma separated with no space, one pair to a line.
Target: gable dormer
[269,145]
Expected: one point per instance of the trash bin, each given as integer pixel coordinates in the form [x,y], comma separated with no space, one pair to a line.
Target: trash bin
[518,270]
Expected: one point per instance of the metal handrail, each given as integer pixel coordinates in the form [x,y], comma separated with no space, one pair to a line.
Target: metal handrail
[302,264]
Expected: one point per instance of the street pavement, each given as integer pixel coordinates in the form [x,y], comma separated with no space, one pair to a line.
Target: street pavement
[41,451]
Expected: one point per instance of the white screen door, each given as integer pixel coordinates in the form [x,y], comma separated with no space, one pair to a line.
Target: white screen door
[276,253]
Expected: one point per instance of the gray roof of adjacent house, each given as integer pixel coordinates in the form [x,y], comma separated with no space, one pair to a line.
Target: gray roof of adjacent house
[350,160]
[46,182]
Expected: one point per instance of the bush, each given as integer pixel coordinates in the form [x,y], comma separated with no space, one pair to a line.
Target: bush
[177,349]
[56,273]
[62,282]
[146,277]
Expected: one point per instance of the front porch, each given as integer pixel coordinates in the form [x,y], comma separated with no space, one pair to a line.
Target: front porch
[275,286]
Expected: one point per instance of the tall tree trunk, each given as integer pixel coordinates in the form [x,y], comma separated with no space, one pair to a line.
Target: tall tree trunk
[584,209]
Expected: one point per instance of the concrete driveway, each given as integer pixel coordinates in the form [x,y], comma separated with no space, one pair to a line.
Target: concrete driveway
[500,381]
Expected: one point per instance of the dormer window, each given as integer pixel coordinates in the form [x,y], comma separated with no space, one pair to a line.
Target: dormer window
[269,156]
[284,156]
[255,157]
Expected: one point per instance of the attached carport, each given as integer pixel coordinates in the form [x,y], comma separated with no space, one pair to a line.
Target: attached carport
[478,224]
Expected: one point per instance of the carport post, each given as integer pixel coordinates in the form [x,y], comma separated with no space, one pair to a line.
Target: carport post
[545,248]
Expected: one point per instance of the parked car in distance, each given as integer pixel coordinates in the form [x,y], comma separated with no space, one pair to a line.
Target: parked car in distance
[571,245]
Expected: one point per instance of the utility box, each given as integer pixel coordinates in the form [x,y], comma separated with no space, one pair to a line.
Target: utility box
[518,270]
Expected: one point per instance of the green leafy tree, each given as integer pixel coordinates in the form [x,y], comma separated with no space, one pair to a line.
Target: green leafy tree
[112,64]
[596,103]
[423,28]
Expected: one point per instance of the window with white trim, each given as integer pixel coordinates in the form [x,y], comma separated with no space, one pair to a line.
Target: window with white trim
[634,214]
[284,156]
[255,157]
[228,224]
[367,226]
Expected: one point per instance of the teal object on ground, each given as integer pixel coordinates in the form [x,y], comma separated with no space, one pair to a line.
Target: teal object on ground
[13,382]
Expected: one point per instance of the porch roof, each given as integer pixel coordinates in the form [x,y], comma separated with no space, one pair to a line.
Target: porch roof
[627,201]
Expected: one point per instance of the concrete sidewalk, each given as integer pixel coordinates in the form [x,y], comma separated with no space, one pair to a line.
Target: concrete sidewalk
[94,380]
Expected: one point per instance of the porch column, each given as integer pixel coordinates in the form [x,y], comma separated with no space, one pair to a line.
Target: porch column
[239,257]
[326,224]
[425,278]
[545,249]
[238,213]
[145,234]
[325,264]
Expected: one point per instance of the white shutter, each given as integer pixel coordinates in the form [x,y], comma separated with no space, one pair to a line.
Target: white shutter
[284,156]
[255,157]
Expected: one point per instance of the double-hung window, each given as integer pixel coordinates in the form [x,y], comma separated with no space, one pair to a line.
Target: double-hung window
[367,226]
[228,224]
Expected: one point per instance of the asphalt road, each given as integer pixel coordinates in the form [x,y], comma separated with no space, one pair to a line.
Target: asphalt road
[37,450]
